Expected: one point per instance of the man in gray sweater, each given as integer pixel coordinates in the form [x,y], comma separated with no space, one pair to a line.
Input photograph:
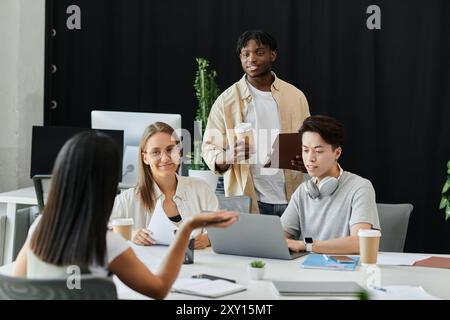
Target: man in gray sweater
[325,213]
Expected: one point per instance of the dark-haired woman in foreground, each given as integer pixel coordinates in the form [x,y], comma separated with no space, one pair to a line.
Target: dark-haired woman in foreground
[73,227]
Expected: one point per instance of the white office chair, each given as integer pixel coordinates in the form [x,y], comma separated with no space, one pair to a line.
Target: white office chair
[92,288]
[2,237]
[394,220]
[24,219]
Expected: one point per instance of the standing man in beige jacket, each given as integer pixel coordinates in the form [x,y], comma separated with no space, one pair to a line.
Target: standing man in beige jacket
[272,106]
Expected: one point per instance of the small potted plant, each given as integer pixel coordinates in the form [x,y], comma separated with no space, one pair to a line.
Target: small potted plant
[445,200]
[256,269]
[206,91]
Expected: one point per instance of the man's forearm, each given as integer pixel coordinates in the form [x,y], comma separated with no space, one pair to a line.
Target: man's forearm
[345,245]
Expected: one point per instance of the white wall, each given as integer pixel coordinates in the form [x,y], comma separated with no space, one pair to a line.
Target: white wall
[22,24]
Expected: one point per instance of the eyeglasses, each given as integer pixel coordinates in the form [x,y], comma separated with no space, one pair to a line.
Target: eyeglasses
[171,151]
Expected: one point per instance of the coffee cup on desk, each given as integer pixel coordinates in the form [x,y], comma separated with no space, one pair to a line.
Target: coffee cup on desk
[123,227]
[369,243]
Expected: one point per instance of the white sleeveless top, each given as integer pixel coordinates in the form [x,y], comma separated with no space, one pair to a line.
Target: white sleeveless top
[38,269]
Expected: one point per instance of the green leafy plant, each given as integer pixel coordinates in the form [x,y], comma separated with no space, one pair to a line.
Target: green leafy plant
[363,295]
[257,264]
[206,91]
[445,200]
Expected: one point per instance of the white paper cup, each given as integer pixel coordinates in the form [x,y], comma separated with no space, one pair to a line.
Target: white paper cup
[369,243]
[244,132]
[123,227]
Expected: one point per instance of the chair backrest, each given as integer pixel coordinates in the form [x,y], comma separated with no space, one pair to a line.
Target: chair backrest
[41,184]
[240,204]
[394,220]
[2,237]
[24,218]
[91,288]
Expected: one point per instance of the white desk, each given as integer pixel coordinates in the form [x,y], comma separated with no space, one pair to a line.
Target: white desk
[25,196]
[434,281]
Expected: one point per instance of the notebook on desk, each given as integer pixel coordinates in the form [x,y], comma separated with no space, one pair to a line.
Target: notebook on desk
[434,262]
[320,261]
[206,287]
[317,288]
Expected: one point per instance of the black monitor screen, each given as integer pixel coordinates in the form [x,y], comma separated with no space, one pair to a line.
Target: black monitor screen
[47,141]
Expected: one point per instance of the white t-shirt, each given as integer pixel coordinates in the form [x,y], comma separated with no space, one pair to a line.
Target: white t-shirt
[38,269]
[262,113]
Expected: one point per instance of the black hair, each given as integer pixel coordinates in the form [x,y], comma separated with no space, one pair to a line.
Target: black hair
[330,129]
[73,226]
[260,36]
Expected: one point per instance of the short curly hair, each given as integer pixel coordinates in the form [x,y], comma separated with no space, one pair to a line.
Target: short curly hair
[259,36]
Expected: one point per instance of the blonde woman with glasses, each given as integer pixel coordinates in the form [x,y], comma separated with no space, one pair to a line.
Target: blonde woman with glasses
[160,190]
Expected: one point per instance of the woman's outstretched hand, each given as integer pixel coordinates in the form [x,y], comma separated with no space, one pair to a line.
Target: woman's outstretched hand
[219,219]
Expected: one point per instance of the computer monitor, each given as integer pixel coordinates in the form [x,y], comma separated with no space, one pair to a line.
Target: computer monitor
[48,140]
[133,124]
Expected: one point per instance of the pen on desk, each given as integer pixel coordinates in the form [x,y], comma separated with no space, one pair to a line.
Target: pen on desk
[378,288]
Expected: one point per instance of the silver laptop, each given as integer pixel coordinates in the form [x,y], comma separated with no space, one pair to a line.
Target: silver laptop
[253,235]
[317,288]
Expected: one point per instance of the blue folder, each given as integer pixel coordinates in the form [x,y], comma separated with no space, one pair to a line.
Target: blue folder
[318,261]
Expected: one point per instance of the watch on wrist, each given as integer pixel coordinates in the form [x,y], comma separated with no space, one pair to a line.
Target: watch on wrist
[308,244]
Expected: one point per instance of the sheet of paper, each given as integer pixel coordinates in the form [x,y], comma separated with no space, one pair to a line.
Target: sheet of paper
[161,227]
[401,293]
[183,283]
[399,259]
[206,287]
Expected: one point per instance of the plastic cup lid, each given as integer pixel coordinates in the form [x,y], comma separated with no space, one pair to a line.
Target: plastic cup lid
[369,233]
[123,222]
[243,127]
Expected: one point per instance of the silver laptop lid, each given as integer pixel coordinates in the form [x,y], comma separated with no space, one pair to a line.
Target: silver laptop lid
[253,235]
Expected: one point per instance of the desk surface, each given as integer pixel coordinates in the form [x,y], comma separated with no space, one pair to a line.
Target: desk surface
[22,196]
[434,281]
[28,195]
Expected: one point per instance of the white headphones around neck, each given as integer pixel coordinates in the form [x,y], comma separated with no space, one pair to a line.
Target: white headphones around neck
[325,188]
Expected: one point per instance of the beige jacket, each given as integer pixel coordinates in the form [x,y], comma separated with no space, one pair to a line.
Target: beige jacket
[228,111]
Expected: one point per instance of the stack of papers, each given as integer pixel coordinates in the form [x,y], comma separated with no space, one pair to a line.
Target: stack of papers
[400,293]
[319,261]
[206,288]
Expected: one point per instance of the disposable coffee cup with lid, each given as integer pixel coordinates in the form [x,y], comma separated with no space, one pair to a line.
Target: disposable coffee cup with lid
[123,227]
[244,131]
[369,242]
[369,233]
[122,222]
[243,127]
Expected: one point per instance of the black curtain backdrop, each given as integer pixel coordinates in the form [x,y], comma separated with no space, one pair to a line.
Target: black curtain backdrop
[390,87]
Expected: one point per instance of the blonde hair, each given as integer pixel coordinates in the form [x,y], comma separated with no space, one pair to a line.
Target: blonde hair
[146,183]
